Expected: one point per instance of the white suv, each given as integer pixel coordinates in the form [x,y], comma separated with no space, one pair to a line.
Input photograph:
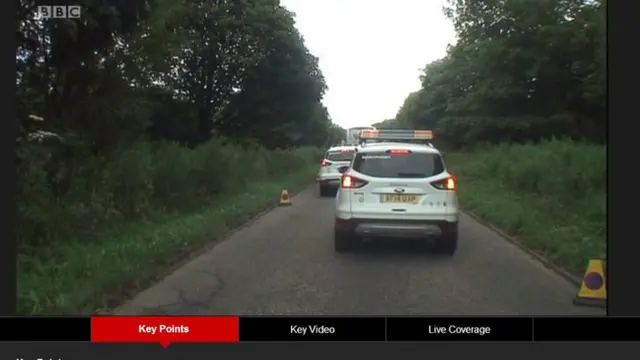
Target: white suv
[335,160]
[397,190]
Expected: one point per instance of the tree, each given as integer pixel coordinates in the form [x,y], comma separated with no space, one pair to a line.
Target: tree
[388,124]
[177,70]
[279,98]
[518,72]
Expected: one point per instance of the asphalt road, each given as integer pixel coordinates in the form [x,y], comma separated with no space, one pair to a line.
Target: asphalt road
[284,263]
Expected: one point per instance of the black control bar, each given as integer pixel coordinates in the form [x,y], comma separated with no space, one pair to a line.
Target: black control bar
[358,329]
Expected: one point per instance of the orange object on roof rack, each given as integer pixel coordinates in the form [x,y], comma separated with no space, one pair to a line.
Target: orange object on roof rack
[396,134]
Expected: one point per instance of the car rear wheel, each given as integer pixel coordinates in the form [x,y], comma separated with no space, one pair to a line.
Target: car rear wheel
[324,191]
[344,241]
[447,244]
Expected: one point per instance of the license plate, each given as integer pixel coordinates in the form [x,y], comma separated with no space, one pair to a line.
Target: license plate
[399,199]
[334,181]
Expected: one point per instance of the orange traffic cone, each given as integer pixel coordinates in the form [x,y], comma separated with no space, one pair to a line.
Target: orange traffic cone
[285,199]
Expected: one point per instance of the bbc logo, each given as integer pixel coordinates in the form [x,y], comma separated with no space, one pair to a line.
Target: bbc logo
[59,11]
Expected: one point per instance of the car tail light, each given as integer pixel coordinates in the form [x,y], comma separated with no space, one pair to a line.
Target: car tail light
[351,182]
[324,163]
[449,183]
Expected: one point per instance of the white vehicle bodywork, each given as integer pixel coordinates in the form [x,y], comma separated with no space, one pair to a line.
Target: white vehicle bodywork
[353,134]
[329,175]
[402,205]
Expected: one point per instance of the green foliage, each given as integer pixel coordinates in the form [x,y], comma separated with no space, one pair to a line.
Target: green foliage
[520,75]
[336,135]
[133,182]
[182,71]
[79,248]
[551,194]
[151,110]
[517,72]
[388,124]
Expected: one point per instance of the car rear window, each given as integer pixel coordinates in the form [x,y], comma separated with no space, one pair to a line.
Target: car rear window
[337,155]
[410,165]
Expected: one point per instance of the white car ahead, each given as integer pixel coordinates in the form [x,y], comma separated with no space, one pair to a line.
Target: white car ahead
[335,160]
[397,190]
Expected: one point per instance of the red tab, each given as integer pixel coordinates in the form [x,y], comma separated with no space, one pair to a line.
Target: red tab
[164,329]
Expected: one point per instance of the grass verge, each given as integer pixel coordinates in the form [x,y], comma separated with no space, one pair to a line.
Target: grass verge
[94,277]
[550,196]
[114,224]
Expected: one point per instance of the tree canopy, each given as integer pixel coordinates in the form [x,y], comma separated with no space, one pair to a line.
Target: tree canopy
[520,71]
[176,70]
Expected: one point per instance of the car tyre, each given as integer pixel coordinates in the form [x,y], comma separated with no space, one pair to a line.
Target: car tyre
[343,241]
[447,244]
[324,191]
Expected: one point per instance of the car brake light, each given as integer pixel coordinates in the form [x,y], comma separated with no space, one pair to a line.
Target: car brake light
[324,163]
[351,182]
[445,184]
[398,151]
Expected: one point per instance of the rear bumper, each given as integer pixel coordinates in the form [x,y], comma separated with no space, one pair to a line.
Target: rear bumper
[329,180]
[405,229]
[398,230]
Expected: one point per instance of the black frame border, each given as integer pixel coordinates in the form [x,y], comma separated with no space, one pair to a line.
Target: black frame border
[622,82]
[353,329]
[8,249]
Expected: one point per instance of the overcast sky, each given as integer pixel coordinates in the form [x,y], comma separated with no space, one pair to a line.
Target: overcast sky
[371,51]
